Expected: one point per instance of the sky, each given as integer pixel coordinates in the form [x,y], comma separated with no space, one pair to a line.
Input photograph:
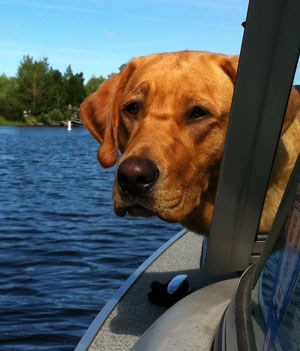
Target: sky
[97,36]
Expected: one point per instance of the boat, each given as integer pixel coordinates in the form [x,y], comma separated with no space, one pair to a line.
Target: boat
[75,122]
[229,304]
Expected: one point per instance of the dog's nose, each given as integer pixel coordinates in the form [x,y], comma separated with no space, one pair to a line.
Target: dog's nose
[136,175]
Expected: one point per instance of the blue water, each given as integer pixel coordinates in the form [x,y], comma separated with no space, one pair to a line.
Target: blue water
[63,253]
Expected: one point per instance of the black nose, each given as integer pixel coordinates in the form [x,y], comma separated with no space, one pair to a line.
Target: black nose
[136,175]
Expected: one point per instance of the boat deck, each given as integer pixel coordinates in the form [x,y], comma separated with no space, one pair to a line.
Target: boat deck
[130,313]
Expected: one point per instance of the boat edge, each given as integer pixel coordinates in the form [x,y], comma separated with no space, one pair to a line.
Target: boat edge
[102,316]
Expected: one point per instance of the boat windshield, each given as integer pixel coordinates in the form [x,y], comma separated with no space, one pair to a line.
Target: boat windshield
[276,296]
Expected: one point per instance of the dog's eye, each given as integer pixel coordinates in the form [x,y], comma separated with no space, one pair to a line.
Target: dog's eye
[132,108]
[198,113]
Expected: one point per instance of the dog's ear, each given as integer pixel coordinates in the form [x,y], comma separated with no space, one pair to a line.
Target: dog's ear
[100,114]
[96,108]
[229,64]
[292,110]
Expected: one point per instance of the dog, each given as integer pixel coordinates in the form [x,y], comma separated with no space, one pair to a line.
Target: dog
[168,114]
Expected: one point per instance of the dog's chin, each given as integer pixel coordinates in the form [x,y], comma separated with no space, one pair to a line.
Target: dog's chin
[135,211]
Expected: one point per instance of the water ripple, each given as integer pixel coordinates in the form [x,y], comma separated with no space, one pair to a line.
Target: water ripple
[63,253]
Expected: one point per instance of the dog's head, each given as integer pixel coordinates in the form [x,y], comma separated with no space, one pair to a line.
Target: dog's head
[168,115]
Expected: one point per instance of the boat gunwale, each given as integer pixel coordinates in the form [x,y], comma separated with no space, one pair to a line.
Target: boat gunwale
[107,309]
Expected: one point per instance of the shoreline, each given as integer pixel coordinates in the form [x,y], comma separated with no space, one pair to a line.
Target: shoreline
[9,123]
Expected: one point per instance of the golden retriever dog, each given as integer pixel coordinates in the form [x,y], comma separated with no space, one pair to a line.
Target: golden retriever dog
[168,115]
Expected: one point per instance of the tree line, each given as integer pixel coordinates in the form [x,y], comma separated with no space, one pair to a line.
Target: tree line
[42,94]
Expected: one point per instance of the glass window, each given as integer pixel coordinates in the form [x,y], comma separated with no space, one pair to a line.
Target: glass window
[276,299]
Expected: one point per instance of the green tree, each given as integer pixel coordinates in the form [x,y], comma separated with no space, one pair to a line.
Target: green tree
[93,84]
[5,84]
[74,89]
[122,67]
[9,105]
[43,91]
[32,83]
[54,98]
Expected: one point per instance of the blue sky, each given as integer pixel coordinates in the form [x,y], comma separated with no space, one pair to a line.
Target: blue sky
[97,36]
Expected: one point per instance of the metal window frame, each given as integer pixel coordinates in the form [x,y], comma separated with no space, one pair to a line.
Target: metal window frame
[268,60]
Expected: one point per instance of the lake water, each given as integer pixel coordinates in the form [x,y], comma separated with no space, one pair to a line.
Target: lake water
[63,253]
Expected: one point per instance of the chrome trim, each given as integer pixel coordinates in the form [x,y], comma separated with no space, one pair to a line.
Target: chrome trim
[98,322]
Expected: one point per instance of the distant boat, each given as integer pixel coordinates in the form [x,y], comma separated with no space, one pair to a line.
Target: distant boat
[76,122]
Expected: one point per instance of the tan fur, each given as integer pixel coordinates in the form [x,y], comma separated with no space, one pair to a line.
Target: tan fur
[187,152]
[288,150]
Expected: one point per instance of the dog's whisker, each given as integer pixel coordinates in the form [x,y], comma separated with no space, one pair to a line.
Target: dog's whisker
[184,195]
[175,202]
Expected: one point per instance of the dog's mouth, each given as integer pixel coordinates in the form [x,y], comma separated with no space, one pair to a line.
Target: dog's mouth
[135,210]
[167,205]
[172,214]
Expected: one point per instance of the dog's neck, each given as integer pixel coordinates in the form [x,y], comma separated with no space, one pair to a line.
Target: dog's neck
[287,153]
[200,219]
